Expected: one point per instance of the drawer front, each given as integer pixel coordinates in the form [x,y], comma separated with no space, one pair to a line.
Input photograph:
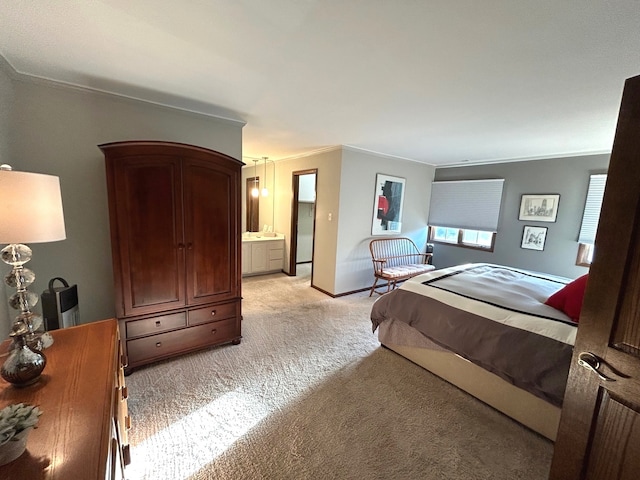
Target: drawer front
[147,349]
[275,264]
[150,326]
[276,254]
[212,313]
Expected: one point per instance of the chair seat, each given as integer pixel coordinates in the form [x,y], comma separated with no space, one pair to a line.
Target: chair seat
[410,270]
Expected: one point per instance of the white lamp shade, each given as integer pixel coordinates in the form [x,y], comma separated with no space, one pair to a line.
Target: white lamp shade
[30,208]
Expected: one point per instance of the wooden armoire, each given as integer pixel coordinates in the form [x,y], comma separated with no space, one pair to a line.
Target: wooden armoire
[174,213]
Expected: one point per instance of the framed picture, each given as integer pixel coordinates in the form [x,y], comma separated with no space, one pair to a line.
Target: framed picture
[533,237]
[387,205]
[539,208]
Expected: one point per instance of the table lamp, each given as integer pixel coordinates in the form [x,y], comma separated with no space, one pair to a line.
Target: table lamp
[31,213]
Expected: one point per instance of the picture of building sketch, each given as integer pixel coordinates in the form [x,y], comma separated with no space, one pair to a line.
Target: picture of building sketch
[539,208]
[533,238]
[387,205]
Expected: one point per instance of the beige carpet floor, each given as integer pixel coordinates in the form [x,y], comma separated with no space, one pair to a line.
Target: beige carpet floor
[310,394]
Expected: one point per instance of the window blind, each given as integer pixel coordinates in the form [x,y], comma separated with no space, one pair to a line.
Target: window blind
[467,204]
[592,206]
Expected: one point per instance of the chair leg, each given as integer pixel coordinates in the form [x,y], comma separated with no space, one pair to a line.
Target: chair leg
[373,288]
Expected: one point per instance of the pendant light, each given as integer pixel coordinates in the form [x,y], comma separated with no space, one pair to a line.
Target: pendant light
[265,191]
[255,193]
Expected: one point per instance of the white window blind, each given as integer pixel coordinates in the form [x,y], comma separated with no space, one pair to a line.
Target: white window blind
[592,206]
[467,204]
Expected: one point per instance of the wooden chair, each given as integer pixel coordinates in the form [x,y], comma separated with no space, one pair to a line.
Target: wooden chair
[395,260]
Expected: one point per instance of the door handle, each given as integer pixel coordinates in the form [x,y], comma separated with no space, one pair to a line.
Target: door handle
[591,362]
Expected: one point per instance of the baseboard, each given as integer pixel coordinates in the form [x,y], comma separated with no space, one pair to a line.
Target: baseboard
[336,295]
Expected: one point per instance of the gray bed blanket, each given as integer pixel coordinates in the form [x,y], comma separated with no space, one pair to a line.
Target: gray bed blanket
[497,332]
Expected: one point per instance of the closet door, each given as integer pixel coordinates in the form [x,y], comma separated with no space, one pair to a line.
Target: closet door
[210,193]
[150,233]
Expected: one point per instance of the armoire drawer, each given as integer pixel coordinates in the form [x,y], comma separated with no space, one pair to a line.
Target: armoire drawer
[212,313]
[142,350]
[150,326]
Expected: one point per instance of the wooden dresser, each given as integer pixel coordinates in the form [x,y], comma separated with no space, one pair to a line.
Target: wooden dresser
[175,239]
[82,432]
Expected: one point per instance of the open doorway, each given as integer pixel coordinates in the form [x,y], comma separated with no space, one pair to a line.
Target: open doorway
[303,221]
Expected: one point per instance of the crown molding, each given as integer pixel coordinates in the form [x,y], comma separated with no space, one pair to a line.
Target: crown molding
[16,75]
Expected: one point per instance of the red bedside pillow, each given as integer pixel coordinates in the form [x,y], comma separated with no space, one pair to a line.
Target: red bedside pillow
[569,298]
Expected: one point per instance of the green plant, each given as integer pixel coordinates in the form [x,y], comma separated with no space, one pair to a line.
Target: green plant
[16,418]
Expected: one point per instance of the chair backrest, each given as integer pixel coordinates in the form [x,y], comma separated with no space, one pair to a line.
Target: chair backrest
[395,250]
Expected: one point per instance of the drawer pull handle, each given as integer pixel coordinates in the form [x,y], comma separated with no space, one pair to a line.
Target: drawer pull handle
[158,344]
[125,393]
[213,313]
[127,422]
[158,323]
[214,331]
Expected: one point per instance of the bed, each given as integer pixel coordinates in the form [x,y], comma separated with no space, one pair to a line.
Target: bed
[486,329]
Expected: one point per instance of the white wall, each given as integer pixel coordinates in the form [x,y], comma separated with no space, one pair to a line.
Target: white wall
[56,130]
[6,110]
[328,163]
[354,269]
[344,209]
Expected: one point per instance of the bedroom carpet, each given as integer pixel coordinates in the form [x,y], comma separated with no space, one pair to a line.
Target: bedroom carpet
[310,394]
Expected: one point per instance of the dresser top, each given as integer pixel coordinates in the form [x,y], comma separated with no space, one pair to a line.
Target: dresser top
[75,394]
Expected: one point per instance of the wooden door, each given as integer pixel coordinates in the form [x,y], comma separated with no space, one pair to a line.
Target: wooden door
[150,233]
[599,435]
[211,212]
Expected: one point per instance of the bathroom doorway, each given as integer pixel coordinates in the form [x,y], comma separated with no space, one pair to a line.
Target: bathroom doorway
[303,222]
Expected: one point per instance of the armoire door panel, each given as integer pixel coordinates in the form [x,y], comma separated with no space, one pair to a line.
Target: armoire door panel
[174,214]
[209,221]
[150,224]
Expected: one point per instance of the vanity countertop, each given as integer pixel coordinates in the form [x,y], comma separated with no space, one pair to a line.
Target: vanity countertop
[258,237]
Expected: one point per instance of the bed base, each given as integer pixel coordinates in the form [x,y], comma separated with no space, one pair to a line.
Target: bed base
[522,406]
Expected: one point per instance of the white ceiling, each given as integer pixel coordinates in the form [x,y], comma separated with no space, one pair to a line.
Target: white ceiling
[436,81]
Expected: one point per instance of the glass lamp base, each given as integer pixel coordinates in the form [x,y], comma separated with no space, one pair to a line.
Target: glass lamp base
[24,364]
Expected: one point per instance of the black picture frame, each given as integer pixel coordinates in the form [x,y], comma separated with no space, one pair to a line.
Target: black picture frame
[533,238]
[388,202]
[539,207]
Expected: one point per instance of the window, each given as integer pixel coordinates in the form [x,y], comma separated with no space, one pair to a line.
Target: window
[590,219]
[465,213]
[463,237]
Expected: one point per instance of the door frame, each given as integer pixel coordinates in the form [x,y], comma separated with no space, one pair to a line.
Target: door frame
[293,244]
